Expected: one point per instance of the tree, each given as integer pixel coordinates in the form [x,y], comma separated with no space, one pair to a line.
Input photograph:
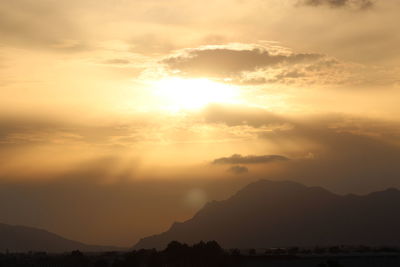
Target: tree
[252,252]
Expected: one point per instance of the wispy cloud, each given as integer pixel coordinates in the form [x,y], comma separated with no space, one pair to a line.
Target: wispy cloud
[250,159]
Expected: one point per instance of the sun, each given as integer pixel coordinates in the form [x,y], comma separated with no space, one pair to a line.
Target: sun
[187,94]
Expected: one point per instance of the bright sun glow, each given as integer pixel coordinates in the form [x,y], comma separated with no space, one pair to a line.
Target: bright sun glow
[180,93]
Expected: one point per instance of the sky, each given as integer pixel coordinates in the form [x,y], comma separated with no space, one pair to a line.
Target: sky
[118,118]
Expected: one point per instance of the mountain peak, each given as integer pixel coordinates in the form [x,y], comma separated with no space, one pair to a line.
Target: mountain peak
[283,213]
[266,185]
[263,189]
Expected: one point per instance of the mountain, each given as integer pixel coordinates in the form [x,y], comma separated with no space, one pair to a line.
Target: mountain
[23,239]
[268,214]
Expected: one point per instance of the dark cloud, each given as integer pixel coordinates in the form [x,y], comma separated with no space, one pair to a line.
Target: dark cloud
[323,71]
[343,153]
[362,4]
[251,159]
[256,65]
[238,169]
[225,62]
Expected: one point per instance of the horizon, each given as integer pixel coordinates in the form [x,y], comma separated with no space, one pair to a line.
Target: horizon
[279,189]
[118,118]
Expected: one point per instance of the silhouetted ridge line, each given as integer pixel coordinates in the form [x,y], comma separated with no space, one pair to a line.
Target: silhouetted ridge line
[17,238]
[283,213]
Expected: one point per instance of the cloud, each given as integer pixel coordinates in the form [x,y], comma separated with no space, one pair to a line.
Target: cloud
[40,24]
[361,4]
[252,64]
[227,61]
[251,159]
[35,130]
[117,61]
[342,152]
[232,115]
[238,169]
[149,44]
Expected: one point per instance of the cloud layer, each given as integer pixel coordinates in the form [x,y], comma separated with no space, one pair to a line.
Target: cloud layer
[225,62]
[250,159]
[362,4]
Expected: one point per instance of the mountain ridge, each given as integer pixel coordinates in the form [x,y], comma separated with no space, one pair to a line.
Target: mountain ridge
[18,238]
[283,213]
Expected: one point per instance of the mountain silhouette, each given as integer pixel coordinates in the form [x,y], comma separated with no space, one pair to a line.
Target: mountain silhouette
[268,214]
[23,239]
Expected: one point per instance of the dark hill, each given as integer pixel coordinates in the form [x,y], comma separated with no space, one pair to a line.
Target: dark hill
[281,214]
[23,239]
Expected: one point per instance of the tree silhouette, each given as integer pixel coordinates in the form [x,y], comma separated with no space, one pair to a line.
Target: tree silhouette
[252,252]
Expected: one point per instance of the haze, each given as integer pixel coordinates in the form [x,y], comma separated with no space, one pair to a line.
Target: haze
[120,117]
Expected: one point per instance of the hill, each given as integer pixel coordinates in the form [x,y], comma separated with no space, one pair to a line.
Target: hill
[23,239]
[281,214]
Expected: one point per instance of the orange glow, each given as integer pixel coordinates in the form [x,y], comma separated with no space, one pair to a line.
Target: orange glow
[188,94]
